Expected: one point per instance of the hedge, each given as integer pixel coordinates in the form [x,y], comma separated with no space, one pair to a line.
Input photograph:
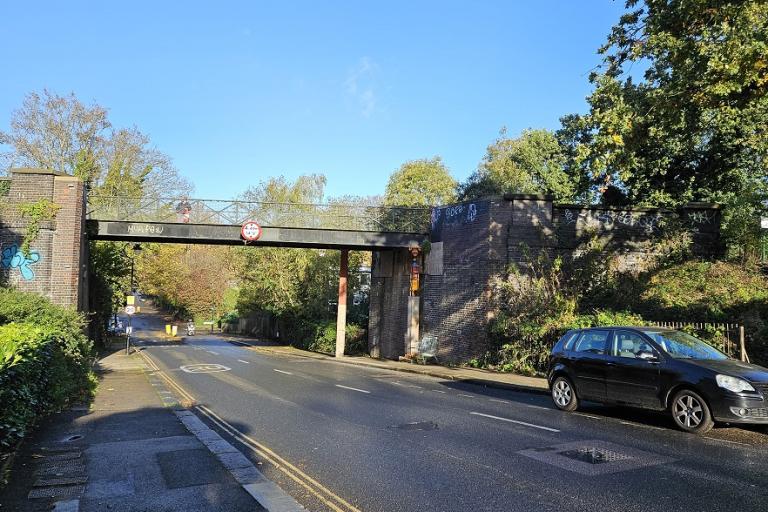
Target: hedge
[320,335]
[44,361]
[35,378]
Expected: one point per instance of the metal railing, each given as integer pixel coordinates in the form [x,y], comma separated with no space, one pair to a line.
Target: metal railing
[727,337]
[287,215]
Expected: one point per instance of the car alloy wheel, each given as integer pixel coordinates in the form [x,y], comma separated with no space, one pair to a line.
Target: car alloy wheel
[564,395]
[691,412]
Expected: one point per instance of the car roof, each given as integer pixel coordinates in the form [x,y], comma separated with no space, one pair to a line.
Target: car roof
[632,327]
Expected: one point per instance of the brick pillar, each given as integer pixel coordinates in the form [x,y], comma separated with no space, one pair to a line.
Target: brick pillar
[55,267]
[68,267]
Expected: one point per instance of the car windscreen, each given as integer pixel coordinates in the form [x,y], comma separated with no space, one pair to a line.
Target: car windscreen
[681,345]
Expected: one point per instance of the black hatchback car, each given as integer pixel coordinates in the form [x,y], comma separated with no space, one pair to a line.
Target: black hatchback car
[660,369]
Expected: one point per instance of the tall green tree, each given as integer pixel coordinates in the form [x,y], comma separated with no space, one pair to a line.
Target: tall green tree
[54,132]
[694,125]
[533,163]
[425,182]
[287,282]
[63,134]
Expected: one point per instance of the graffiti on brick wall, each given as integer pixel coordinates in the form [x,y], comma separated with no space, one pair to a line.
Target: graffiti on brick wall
[13,257]
[702,217]
[455,215]
[650,223]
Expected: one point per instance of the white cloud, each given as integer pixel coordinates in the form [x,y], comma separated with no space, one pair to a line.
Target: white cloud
[360,85]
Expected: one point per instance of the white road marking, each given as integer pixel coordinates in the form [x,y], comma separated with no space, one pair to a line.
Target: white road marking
[246,362]
[204,368]
[281,371]
[588,416]
[212,352]
[514,421]
[468,396]
[353,389]
[538,407]
[726,441]
[438,391]
[497,400]
[631,424]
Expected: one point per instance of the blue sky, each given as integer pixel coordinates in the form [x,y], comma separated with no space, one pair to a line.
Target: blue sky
[236,92]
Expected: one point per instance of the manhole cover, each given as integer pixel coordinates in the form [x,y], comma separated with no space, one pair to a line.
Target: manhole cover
[417,425]
[594,455]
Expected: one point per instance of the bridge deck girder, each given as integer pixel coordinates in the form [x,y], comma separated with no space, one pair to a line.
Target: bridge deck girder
[216,234]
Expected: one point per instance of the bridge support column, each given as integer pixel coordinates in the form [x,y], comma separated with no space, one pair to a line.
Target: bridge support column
[341,312]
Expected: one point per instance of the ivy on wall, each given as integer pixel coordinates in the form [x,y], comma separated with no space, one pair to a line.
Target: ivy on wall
[35,213]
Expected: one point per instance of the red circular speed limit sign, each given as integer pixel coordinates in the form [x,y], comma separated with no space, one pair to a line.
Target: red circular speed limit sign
[251,231]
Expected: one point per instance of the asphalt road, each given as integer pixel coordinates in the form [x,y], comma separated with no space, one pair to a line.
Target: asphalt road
[342,437]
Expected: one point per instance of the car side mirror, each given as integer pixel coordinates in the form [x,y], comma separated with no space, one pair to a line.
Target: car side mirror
[648,356]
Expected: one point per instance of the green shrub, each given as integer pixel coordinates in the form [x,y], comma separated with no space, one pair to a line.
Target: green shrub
[16,306]
[524,348]
[35,378]
[704,291]
[44,360]
[320,335]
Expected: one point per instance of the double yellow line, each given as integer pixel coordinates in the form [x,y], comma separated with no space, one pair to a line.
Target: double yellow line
[322,493]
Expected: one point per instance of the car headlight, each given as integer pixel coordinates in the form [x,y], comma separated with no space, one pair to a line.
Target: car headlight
[733,384]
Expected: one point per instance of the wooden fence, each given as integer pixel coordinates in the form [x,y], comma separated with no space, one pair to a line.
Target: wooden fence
[728,337]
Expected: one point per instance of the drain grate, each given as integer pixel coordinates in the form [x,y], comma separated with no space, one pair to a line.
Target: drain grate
[594,458]
[59,457]
[59,480]
[594,455]
[66,467]
[61,491]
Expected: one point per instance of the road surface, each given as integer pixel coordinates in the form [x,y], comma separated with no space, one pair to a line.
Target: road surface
[342,437]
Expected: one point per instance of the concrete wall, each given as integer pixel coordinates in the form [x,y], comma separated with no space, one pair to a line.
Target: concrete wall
[56,265]
[473,243]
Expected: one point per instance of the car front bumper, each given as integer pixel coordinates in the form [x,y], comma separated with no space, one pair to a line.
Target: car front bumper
[740,409]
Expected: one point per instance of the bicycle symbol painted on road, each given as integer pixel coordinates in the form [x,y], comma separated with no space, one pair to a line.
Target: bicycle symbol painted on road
[204,368]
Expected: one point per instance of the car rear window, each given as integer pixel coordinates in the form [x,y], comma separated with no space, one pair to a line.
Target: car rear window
[568,340]
[592,342]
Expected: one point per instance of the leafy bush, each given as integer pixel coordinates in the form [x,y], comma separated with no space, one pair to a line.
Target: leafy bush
[704,291]
[544,296]
[44,360]
[320,336]
[16,306]
[35,378]
[525,349]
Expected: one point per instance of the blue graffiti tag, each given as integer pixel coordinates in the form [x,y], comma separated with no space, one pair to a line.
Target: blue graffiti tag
[14,258]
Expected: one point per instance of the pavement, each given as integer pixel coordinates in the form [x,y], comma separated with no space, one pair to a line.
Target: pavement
[134,448]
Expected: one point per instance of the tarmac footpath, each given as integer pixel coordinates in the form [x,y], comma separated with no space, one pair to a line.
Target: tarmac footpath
[135,448]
